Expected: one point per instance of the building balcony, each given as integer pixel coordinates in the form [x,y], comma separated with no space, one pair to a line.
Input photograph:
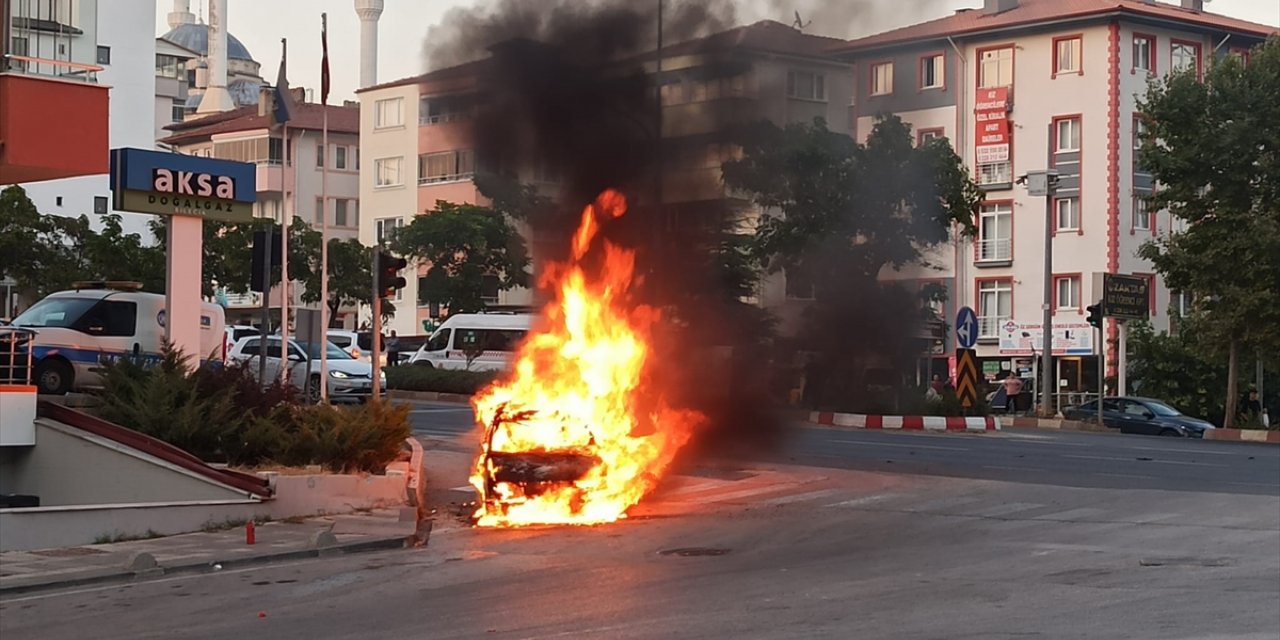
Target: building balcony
[270,178]
[53,120]
[992,252]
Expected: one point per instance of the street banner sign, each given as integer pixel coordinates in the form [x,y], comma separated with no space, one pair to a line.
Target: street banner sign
[967,377]
[991,112]
[1126,297]
[966,328]
[1023,339]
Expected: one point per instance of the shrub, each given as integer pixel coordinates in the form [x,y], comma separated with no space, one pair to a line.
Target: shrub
[223,414]
[420,378]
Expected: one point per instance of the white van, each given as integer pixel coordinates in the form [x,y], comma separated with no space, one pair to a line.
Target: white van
[491,339]
[77,330]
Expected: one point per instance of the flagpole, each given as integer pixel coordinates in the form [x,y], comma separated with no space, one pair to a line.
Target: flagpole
[324,219]
[291,202]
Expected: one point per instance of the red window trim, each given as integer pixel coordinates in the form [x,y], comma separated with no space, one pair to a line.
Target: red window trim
[1151,217]
[1199,55]
[1013,62]
[941,131]
[1079,230]
[977,293]
[1151,290]
[871,77]
[1012,222]
[1079,117]
[1155,57]
[1071,275]
[1243,53]
[1053,71]
[920,70]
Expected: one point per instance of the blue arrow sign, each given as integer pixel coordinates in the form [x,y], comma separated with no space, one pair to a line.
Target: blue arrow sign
[966,328]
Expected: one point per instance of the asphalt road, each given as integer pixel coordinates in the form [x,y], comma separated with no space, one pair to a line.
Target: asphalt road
[1044,534]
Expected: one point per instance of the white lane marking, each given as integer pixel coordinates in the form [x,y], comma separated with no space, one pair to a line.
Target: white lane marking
[1126,475]
[801,497]
[701,484]
[942,503]
[466,487]
[867,443]
[860,501]
[1070,514]
[745,493]
[1005,509]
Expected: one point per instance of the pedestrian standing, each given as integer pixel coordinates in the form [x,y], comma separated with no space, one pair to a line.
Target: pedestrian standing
[393,349]
[936,384]
[1012,391]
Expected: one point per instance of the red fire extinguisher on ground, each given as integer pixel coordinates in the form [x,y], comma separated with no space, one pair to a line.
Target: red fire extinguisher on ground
[250,535]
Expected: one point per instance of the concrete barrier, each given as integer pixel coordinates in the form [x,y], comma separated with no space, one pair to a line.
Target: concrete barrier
[1062,424]
[906,423]
[429,396]
[1244,435]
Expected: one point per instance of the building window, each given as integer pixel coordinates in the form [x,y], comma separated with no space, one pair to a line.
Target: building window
[995,233]
[440,109]
[99,204]
[319,156]
[170,66]
[1180,303]
[996,68]
[385,228]
[446,166]
[995,306]
[178,110]
[339,157]
[1068,214]
[1141,214]
[925,135]
[1240,54]
[104,55]
[18,47]
[1068,292]
[995,173]
[262,150]
[1184,56]
[387,172]
[388,113]
[340,212]
[1139,131]
[882,79]
[1144,47]
[1067,138]
[931,68]
[806,85]
[319,217]
[1066,55]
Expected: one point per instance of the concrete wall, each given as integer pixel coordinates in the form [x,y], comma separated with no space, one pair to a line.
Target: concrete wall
[72,467]
[46,528]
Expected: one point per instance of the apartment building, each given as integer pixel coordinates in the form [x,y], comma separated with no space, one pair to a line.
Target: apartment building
[1029,85]
[295,188]
[416,133]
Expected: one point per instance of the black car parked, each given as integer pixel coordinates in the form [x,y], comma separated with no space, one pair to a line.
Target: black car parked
[1140,415]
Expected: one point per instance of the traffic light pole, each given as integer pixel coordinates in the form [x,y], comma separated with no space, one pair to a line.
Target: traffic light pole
[376,324]
[1102,369]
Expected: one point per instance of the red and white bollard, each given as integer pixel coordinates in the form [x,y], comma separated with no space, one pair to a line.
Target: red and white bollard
[250,536]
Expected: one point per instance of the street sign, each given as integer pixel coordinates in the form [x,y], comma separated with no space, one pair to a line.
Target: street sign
[966,328]
[967,377]
[1127,297]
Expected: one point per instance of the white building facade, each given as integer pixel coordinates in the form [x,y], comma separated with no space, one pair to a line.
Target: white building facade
[1024,86]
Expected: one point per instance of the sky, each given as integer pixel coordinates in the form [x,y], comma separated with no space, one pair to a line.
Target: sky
[260,24]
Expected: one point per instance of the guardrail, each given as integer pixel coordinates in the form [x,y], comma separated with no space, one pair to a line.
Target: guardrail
[65,69]
[15,355]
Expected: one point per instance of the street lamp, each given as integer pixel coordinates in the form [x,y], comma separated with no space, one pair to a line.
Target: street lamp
[1045,183]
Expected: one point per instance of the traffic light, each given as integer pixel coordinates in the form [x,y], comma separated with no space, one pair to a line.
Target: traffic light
[1095,315]
[387,272]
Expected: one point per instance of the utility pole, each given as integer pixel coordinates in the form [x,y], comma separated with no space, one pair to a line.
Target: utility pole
[1045,183]
[376,325]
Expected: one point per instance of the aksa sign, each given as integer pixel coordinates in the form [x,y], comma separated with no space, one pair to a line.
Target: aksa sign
[173,184]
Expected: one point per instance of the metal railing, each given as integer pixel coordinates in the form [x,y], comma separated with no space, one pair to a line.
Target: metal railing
[64,69]
[15,355]
[995,249]
[989,326]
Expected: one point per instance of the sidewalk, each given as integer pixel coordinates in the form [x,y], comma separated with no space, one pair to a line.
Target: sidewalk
[22,571]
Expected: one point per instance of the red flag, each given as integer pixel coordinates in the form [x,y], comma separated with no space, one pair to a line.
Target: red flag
[324,59]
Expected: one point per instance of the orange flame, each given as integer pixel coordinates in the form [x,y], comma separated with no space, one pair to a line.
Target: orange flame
[580,389]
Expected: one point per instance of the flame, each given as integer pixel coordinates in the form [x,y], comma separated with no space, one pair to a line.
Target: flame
[580,392]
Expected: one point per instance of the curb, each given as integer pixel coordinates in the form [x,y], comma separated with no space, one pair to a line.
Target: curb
[1059,424]
[980,424]
[206,566]
[1244,435]
[430,396]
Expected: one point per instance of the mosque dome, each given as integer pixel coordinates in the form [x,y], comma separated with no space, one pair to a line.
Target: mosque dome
[195,37]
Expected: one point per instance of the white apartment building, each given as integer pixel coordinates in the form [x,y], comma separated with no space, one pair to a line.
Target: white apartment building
[119,38]
[1027,85]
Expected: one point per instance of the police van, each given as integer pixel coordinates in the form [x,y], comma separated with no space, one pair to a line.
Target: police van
[78,330]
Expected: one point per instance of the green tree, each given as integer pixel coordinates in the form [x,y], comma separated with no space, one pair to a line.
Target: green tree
[1213,146]
[463,244]
[836,214]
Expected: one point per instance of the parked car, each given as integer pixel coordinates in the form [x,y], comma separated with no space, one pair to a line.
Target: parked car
[237,331]
[1145,416]
[349,379]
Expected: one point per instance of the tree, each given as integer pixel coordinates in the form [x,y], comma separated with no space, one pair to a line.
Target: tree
[836,213]
[1213,147]
[463,245]
[350,275]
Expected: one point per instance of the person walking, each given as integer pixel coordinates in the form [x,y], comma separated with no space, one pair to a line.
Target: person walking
[393,350]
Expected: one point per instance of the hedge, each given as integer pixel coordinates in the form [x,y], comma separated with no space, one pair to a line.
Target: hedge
[422,378]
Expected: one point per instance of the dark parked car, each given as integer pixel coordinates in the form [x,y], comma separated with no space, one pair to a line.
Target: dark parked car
[1140,415]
